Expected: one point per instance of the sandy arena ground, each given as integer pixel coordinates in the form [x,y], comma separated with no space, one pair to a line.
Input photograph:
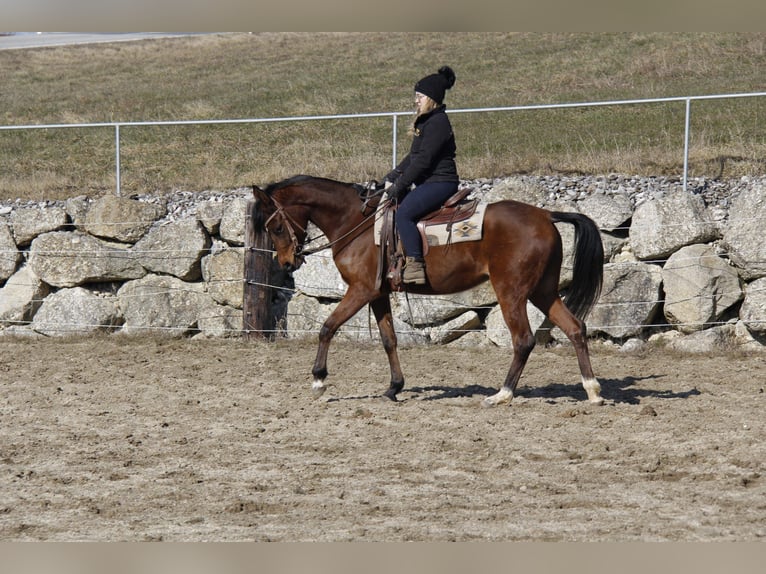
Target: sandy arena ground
[116,439]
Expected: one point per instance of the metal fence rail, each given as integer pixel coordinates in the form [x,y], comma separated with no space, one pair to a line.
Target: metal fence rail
[116,126]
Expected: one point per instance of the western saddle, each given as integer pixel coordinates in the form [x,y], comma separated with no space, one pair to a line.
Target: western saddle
[456,209]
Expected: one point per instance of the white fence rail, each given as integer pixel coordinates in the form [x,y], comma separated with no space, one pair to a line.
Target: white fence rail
[117,126]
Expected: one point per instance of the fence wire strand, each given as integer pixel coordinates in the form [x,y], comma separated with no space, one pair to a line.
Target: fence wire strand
[428,303]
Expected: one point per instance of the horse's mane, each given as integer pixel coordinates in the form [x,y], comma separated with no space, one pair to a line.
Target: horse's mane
[299,180]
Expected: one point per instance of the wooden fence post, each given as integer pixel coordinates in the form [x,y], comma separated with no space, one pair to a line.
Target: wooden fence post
[257,316]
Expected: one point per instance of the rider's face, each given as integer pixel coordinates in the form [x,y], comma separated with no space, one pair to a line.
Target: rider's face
[420,101]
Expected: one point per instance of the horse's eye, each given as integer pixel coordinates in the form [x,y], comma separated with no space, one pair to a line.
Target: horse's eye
[279,229]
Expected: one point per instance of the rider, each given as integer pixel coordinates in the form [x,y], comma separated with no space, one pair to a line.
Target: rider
[430,166]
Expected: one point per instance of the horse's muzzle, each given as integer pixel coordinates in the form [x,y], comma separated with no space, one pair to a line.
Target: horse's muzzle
[295,264]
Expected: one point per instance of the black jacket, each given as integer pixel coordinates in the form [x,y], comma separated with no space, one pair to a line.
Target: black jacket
[432,154]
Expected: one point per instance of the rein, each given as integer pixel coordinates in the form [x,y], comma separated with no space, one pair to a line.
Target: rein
[300,251]
[305,252]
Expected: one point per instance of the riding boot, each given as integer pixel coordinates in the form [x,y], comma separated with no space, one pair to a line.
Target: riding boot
[414,271]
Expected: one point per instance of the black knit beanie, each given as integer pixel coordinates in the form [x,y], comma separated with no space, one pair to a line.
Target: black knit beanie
[435,85]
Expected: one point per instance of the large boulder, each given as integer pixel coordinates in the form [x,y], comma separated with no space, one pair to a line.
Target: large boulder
[9,252]
[210,213]
[713,340]
[663,225]
[498,333]
[305,316]
[232,224]
[77,209]
[71,258]
[220,321]
[223,272]
[162,304]
[29,222]
[21,297]
[609,212]
[318,277]
[743,235]
[753,310]
[174,248]
[121,219]
[453,329]
[630,298]
[77,311]
[699,287]
[422,310]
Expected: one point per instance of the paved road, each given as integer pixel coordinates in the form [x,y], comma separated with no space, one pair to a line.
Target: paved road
[45,39]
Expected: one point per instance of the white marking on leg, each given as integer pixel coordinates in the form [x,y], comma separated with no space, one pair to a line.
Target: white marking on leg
[318,388]
[502,396]
[594,390]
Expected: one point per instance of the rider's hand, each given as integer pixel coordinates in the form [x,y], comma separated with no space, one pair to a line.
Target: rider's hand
[394,191]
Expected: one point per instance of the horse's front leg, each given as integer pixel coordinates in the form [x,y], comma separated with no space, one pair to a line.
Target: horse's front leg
[381,307]
[347,308]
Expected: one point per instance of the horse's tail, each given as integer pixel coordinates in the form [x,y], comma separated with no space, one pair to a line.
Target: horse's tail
[588,272]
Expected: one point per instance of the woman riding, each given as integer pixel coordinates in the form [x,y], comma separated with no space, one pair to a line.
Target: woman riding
[429,166]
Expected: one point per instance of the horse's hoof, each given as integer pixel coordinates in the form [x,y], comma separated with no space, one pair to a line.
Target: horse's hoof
[593,390]
[501,397]
[391,396]
[317,389]
[488,404]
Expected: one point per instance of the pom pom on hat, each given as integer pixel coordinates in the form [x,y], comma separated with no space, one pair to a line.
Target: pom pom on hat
[435,85]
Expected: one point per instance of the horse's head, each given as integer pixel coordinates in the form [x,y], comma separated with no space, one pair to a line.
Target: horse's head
[285,231]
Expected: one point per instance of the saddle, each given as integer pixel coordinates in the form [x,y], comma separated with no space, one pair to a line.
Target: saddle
[457,209]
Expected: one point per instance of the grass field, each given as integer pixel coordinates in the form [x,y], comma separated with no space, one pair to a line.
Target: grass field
[223,76]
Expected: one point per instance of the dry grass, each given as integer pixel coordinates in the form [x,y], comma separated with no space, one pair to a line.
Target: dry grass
[294,74]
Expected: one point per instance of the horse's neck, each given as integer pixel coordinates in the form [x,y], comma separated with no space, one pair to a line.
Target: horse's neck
[335,219]
[336,226]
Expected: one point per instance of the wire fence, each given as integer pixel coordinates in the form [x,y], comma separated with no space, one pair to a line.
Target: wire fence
[428,304]
[394,116]
[434,301]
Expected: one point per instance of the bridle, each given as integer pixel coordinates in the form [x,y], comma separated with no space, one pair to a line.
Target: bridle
[288,222]
[299,252]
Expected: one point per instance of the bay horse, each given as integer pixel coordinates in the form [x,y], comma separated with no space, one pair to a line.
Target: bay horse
[520,253]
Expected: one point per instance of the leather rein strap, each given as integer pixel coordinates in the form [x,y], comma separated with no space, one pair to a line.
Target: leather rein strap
[291,224]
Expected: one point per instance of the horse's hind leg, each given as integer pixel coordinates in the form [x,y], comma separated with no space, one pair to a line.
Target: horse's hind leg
[523,340]
[575,329]
[381,307]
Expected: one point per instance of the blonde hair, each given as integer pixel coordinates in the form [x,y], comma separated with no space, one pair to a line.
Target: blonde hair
[428,106]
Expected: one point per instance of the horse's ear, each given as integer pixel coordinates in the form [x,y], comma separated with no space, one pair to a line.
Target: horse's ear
[261,195]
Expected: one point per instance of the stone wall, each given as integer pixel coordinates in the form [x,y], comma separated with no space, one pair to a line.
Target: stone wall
[150,264]
[686,267]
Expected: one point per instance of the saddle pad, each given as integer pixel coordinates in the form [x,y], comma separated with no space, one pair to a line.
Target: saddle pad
[467,230]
